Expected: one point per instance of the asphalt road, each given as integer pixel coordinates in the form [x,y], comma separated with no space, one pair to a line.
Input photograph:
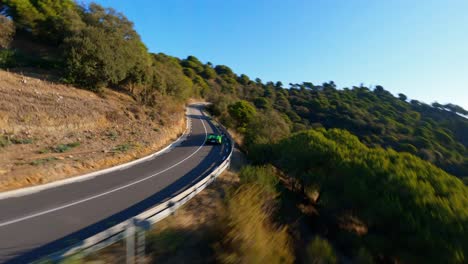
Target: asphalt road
[40,223]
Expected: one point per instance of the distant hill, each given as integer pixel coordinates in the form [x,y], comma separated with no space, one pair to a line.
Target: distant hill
[437,133]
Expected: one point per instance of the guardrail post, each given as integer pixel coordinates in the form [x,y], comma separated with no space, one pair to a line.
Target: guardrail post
[142,226]
[141,244]
[130,242]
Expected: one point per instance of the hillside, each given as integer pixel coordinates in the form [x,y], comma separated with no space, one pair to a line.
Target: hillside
[51,131]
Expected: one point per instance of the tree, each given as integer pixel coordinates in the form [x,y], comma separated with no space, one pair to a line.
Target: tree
[107,51]
[208,73]
[224,70]
[7,30]
[242,112]
[266,128]
[382,184]
[402,97]
[48,20]
[169,78]
[193,63]
[319,251]
[455,108]
[243,79]
[252,236]
[308,85]
[262,103]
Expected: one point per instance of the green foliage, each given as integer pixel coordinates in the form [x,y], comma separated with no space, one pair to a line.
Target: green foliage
[4,141]
[208,73]
[16,140]
[16,58]
[383,188]
[251,236]
[7,58]
[123,147]
[167,242]
[243,79]
[107,51]
[265,176]
[169,78]
[262,103]
[43,161]
[242,112]
[319,251]
[364,257]
[7,30]
[224,70]
[267,127]
[48,20]
[193,63]
[65,147]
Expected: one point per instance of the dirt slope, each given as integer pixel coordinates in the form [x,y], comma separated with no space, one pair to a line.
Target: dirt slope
[50,131]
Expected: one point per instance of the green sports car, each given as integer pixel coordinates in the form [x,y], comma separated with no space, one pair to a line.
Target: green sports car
[215,139]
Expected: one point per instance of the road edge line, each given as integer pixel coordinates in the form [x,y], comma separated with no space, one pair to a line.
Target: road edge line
[38,188]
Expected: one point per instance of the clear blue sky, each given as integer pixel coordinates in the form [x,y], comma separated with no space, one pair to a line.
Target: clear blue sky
[415,47]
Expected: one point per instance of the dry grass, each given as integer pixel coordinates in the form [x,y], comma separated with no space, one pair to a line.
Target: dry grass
[38,117]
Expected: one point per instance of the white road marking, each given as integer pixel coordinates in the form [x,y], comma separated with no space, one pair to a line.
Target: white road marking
[104,193]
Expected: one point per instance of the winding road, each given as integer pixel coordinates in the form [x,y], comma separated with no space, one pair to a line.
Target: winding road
[39,223]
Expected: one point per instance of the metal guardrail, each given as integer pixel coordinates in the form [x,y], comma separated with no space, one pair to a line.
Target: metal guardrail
[145,219]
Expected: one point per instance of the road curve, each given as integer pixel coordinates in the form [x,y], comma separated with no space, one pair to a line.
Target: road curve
[40,223]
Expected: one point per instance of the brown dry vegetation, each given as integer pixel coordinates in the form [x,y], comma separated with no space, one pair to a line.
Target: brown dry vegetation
[38,119]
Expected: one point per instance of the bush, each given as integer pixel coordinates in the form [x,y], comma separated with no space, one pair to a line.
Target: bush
[364,257]
[252,237]
[65,147]
[107,51]
[242,112]
[7,58]
[4,141]
[7,30]
[319,251]
[265,176]
[383,188]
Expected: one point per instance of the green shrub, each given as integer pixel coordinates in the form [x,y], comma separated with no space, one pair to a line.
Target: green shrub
[364,257]
[166,242]
[42,161]
[265,176]
[7,59]
[252,237]
[122,147]
[22,140]
[383,188]
[107,51]
[4,141]
[65,147]
[112,135]
[7,30]
[319,251]
[242,112]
